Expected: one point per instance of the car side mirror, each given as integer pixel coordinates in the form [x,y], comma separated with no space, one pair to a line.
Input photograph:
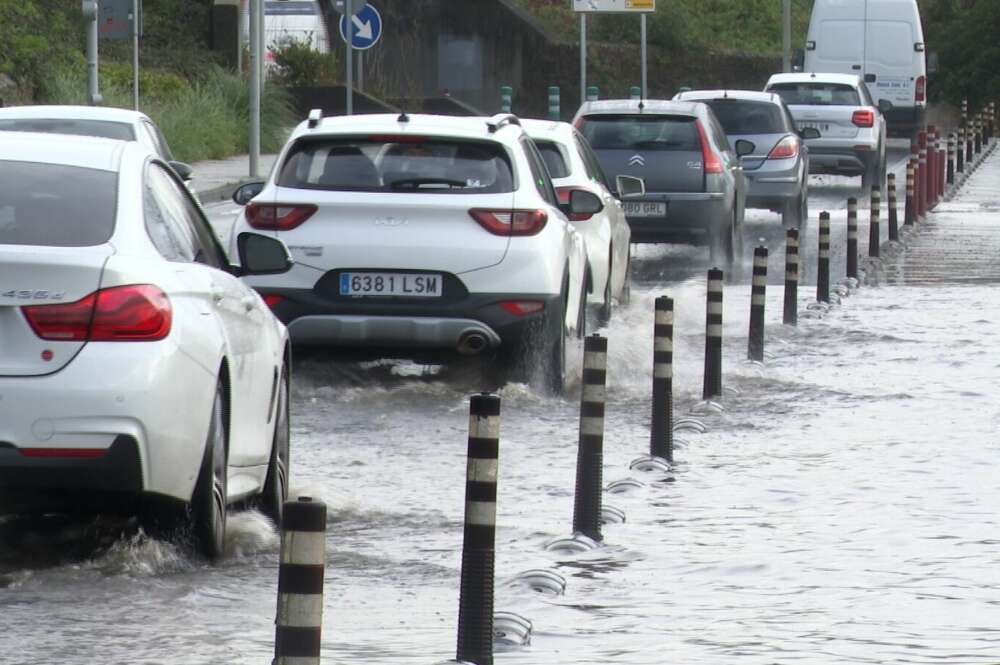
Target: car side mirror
[630,187]
[582,202]
[183,170]
[245,193]
[809,133]
[262,255]
[744,147]
[884,106]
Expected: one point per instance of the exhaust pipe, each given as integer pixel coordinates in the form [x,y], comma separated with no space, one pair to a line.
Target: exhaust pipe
[472,343]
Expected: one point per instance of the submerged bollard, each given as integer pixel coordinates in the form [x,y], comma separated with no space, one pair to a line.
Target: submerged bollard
[874,231]
[554,109]
[758,293]
[823,272]
[893,212]
[590,454]
[475,604]
[791,310]
[712,386]
[909,214]
[661,438]
[852,238]
[299,622]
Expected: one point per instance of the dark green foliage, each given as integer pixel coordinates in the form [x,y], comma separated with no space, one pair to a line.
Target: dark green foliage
[297,65]
[963,33]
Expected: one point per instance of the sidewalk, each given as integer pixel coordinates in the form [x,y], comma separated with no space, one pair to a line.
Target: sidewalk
[215,180]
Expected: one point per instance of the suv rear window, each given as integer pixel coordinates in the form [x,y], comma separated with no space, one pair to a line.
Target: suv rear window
[739,116]
[554,159]
[102,128]
[817,94]
[641,132]
[401,164]
[56,206]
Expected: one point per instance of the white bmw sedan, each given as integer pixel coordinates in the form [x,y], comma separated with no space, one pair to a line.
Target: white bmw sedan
[137,372]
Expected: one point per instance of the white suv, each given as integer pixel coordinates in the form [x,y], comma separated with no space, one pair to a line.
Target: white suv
[423,232]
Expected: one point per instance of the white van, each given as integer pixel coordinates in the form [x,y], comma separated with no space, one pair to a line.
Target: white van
[880,40]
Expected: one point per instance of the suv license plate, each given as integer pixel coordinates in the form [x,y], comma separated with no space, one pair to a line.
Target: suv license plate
[645,209]
[426,285]
[818,126]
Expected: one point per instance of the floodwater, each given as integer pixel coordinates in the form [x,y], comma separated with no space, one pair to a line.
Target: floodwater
[840,507]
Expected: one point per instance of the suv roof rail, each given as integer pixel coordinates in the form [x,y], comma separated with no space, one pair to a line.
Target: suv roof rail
[314,117]
[501,119]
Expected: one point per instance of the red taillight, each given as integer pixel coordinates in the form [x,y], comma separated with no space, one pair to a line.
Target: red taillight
[787,148]
[709,159]
[278,216]
[273,300]
[136,313]
[564,194]
[864,118]
[511,222]
[921,94]
[66,453]
[522,307]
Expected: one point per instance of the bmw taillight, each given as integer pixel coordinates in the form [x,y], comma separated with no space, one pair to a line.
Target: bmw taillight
[278,216]
[710,160]
[921,89]
[135,313]
[787,148]
[863,118]
[511,222]
[564,194]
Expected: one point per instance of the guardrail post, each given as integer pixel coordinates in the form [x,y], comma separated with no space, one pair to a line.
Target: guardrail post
[299,623]
[852,238]
[712,386]
[823,272]
[554,110]
[661,437]
[874,230]
[590,453]
[791,310]
[758,298]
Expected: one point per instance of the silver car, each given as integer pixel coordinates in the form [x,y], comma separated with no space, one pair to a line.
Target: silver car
[851,126]
[777,172]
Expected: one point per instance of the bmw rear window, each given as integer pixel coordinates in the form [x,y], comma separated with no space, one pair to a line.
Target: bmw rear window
[120,131]
[740,116]
[814,93]
[56,206]
[641,132]
[398,164]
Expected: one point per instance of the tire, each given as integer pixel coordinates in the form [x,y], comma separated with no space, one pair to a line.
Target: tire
[604,313]
[275,492]
[796,212]
[208,504]
[874,175]
[581,314]
[553,349]
[626,295]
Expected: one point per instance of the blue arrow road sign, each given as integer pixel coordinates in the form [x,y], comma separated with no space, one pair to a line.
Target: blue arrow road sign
[366,28]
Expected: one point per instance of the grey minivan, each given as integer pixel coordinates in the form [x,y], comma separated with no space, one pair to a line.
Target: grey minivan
[695,186]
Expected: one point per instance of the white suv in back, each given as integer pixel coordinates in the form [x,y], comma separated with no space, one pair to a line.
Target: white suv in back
[423,232]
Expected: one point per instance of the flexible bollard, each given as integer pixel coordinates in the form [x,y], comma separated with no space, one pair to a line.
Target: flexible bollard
[936,172]
[893,212]
[712,386]
[922,179]
[758,293]
[950,172]
[475,604]
[593,93]
[299,623]
[915,158]
[969,144]
[554,110]
[942,167]
[823,273]
[977,124]
[852,238]
[590,454]
[930,166]
[661,439]
[960,151]
[909,213]
[506,99]
[635,93]
[874,230]
[791,310]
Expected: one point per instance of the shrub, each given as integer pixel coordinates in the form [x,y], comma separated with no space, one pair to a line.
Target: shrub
[297,65]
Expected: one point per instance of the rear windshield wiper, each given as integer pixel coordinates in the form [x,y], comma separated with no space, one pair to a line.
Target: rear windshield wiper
[416,183]
[659,144]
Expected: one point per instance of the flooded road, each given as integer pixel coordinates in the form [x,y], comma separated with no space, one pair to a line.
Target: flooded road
[841,507]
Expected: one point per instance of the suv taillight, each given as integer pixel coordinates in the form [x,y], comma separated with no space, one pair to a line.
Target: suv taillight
[710,160]
[787,148]
[278,216]
[921,86]
[863,118]
[511,222]
[135,313]
[564,194]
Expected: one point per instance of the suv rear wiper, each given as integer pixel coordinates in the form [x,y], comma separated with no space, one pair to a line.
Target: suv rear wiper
[415,183]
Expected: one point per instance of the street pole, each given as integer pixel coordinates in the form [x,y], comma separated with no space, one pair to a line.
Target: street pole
[583,58]
[91,12]
[349,18]
[786,35]
[135,54]
[642,29]
[255,68]
[361,71]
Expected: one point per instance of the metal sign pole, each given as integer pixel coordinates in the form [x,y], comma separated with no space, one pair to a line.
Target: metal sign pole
[361,71]
[135,54]
[349,19]
[91,11]
[255,68]
[786,35]
[642,25]
[583,58]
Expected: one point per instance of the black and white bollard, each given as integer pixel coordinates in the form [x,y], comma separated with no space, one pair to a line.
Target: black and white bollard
[791,310]
[950,174]
[299,622]
[874,232]
[960,151]
[823,271]
[758,296]
[661,439]
[712,385]
[910,208]
[893,212]
[475,604]
[852,238]
[969,144]
[977,125]
[590,454]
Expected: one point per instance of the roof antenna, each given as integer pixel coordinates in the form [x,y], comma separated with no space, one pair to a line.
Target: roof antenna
[403,117]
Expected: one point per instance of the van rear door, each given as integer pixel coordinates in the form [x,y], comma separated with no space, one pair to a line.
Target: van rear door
[894,54]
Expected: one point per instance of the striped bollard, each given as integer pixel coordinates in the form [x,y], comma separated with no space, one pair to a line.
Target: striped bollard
[712,386]
[950,173]
[893,212]
[935,171]
[554,110]
[506,99]
[758,294]
[993,119]
[852,237]
[922,179]
[823,273]
[960,151]
[635,93]
[590,454]
[299,623]
[593,93]
[909,214]
[661,440]
[874,230]
[977,123]
[969,144]
[915,158]
[791,311]
[475,604]
[930,166]
[942,164]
